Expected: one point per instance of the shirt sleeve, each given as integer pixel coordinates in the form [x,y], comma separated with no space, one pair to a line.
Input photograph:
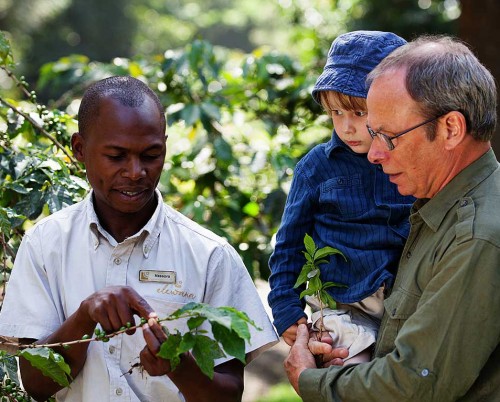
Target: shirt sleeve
[440,349]
[229,284]
[29,310]
[287,259]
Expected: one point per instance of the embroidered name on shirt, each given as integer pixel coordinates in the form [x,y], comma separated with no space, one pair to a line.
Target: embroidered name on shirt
[177,291]
[157,276]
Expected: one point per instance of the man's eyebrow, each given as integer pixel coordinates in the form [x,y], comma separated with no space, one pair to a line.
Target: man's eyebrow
[380,129]
[119,148]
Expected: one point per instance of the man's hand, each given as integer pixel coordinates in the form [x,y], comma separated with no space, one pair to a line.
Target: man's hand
[329,356]
[113,307]
[195,386]
[154,337]
[302,353]
[299,358]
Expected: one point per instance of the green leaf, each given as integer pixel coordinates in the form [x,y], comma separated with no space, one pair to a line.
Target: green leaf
[195,322]
[307,292]
[239,322]
[205,351]
[228,317]
[326,251]
[79,182]
[8,366]
[175,345]
[309,258]
[231,342]
[327,299]
[5,225]
[190,114]
[51,364]
[211,110]
[303,276]
[327,285]
[223,150]
[52,164]
[309,243]
[5,52]
[170,350]
[187,342]
[315,283]
[17,187]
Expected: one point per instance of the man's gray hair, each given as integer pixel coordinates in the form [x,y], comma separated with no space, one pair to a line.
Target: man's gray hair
[443,75]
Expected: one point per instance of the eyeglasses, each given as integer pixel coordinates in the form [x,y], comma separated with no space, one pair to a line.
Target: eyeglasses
[388,139]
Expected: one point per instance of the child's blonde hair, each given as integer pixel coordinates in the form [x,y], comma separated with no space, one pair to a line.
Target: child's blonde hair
[344,101]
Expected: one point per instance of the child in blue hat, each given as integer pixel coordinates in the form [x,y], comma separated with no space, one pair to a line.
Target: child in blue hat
[339,198]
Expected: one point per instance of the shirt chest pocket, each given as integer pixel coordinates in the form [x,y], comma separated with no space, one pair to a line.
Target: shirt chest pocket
[345,197]
[398,308]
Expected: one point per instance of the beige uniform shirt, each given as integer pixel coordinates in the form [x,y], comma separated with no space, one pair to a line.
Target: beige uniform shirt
[68,256]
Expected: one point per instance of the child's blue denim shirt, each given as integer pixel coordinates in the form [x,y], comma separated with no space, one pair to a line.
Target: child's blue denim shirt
[342,200]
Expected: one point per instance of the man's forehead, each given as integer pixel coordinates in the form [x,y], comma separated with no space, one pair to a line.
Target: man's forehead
[387,96]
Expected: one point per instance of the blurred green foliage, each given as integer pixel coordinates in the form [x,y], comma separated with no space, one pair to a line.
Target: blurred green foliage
[238,120]
[281,393]
[46,30]
[237,123]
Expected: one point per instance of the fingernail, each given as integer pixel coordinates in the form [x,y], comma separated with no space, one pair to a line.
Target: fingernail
[153,315]
[152,321]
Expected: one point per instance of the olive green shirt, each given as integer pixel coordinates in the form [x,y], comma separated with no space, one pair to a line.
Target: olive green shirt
[439,338]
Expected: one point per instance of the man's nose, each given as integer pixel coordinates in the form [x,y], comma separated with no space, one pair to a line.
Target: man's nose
[377,152]
[134,169]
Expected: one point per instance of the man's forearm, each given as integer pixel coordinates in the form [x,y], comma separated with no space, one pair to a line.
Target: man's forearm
[41,387]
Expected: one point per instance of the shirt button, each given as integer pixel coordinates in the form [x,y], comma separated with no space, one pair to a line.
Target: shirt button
[117,261]
[119,391]
[111,349]
[464,203]
[424,373]
[408,254]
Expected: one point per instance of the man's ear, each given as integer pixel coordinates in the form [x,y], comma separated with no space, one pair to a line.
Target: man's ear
[77,144]
[456,129]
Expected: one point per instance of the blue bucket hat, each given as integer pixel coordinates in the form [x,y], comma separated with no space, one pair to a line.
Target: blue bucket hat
[350,58]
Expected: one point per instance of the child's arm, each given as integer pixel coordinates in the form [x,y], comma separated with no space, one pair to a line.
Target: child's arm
[287,259]
[290,334]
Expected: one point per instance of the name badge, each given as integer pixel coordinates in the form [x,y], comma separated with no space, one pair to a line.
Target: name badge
[157,276]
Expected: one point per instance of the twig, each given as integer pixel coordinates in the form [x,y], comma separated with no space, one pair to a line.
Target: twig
[44,132]
[104,337]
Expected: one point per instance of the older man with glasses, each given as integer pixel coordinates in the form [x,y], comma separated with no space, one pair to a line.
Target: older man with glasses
[439,339]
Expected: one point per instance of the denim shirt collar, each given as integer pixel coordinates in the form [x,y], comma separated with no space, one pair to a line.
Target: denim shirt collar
[335,144]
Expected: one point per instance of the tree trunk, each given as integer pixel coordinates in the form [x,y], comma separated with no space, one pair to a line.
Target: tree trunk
[479,26]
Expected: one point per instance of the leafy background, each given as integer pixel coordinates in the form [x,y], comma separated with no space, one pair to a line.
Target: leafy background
[235,78]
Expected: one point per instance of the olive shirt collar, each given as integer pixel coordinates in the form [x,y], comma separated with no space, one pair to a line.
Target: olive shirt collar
[434,210]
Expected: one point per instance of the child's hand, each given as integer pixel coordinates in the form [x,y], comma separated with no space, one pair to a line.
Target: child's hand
[291,333]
